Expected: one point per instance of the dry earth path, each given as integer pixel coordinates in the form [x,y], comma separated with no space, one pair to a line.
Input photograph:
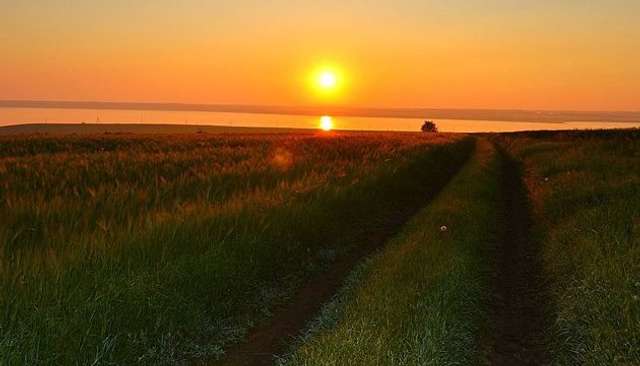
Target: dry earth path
[518,311]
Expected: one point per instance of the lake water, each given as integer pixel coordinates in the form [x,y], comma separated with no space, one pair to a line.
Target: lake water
[9,116]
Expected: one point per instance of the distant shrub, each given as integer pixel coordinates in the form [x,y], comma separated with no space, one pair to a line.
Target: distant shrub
[429,126]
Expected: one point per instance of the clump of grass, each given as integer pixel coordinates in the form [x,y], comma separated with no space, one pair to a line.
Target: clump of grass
[421,300]
[584,188]
[159,250]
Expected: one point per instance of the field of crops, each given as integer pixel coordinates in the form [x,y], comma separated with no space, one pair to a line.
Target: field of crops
[161,249]
[320,249]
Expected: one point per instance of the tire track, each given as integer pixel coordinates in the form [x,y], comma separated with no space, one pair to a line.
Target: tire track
[266,341]
[518,311]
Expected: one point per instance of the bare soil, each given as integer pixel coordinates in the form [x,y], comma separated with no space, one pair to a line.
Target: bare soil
[519,305]
[268,340]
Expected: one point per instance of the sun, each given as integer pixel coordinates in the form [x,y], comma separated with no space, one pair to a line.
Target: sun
[327,80]
[326,123]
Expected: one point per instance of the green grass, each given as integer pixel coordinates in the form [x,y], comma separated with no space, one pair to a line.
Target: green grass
[164,249]
[125,249]
[585,188]
[422,300]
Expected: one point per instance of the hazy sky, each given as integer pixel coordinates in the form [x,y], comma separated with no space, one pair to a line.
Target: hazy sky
[571,54]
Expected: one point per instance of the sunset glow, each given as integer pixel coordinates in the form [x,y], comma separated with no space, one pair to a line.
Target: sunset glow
[327,84]
[405,53]
[193,181]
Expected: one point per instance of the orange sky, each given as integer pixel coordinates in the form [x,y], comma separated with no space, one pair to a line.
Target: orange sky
[447,54]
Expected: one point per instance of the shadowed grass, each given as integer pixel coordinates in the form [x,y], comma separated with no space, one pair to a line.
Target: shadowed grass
[586,195]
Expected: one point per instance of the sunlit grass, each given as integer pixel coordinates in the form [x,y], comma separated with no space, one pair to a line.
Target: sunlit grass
[156,250]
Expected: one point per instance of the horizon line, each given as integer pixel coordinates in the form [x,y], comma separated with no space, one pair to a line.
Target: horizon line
[514,115]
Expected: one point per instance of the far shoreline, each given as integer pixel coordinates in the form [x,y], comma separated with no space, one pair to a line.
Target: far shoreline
[505,115]
[81,128]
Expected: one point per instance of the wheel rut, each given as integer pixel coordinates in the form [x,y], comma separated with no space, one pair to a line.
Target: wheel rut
[518,312]
[273,338]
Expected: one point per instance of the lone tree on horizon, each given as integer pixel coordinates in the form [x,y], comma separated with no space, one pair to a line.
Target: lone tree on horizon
[429,126]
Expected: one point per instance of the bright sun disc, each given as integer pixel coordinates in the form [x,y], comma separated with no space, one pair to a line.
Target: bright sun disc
[327,80]
[326,123]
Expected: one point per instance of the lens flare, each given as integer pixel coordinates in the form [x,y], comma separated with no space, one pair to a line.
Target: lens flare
[326,123]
